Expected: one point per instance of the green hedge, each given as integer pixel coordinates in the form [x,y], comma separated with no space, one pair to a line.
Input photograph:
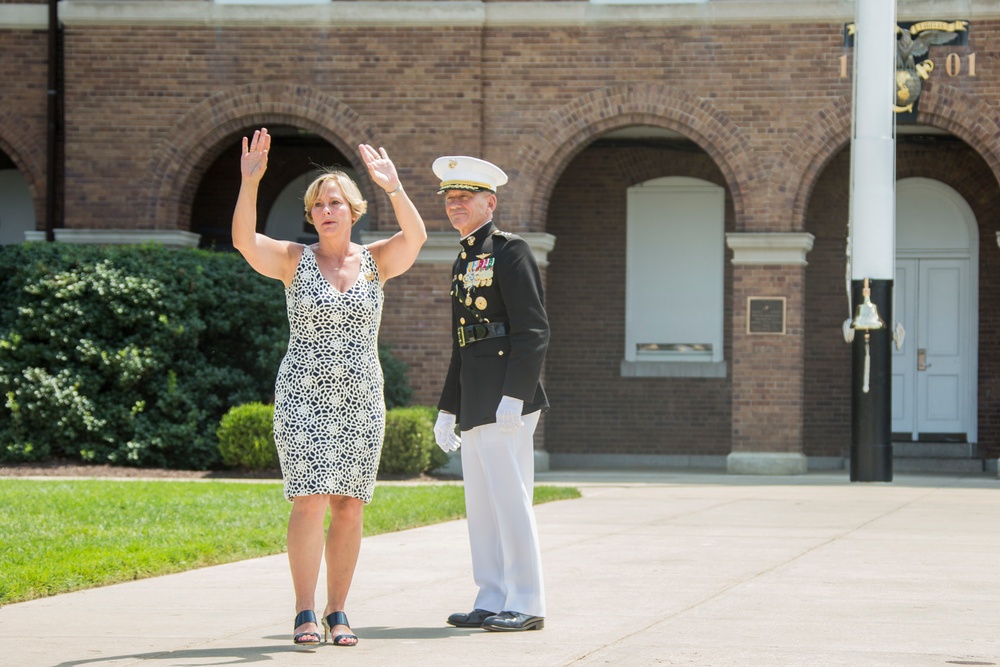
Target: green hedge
[439,457]
[409,447]
[130,355]
[409,436]
[394,371]
[246,437]
[246,440]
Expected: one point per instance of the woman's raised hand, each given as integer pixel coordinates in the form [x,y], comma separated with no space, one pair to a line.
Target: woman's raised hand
[253,164]
[380,167]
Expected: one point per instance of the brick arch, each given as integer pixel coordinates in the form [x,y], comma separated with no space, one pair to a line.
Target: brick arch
[177,165]
[28,151]
[965,116]
[941,106]
[544,155]
[979,186]
[804,158]
[638,165]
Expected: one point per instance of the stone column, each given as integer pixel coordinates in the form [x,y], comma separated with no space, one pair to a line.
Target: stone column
[768,352]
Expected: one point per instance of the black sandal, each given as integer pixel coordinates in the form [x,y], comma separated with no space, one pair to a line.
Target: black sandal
[310,637]
[338,618]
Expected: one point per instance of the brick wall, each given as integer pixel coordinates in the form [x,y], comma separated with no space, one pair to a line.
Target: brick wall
[212,209]
[133,109]
[24,107]
[741,92]
[827,388]
[417,324]
[767,368]
[594,409]
[153,111]
[827,423]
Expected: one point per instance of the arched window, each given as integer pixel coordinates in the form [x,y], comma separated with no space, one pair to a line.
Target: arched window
[287,220]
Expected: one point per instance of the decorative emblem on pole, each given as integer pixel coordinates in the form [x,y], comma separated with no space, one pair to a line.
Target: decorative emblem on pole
[913,67]
[910,72]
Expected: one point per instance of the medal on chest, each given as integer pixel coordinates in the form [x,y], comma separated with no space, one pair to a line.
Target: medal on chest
[478,273]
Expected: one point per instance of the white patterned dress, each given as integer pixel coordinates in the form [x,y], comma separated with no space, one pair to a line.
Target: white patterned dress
[329,409]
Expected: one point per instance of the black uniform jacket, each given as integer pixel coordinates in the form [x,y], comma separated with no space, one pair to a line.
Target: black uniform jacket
[495,280]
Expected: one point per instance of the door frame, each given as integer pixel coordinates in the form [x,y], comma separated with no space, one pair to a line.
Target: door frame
[971,305]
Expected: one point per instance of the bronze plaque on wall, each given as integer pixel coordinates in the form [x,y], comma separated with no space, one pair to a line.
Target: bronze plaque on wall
[765,315]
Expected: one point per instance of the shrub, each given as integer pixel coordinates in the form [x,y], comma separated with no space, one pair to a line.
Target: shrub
[439,457]
[130,355]
[246,437]
[397,387]
[409,436]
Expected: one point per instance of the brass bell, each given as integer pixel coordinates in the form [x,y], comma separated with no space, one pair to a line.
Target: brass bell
[866,319]
[866,316]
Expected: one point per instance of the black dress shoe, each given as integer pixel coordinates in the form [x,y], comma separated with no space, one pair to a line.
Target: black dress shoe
[473,619]
[513,621]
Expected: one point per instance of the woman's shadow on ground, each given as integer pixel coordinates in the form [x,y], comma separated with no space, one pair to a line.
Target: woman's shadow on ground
[244,655]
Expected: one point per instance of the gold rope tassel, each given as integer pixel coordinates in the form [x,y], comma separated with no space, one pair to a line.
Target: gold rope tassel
[868,364]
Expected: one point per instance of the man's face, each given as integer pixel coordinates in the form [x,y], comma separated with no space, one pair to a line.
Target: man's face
[469,210]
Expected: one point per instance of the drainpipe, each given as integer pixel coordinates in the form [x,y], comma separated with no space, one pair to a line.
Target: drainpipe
[873,240]
[52,153]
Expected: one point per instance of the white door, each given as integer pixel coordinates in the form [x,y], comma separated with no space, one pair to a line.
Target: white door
[929,375]
[936,300]
[17,210]
[904,361]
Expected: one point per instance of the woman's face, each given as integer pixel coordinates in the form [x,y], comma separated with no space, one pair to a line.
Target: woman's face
[331,212]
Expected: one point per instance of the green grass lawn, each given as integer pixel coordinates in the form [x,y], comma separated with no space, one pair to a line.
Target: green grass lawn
[63,535]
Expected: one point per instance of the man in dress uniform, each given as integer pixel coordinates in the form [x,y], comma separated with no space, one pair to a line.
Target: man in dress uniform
[500,333]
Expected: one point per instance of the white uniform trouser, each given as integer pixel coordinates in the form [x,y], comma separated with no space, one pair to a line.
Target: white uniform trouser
[499,473]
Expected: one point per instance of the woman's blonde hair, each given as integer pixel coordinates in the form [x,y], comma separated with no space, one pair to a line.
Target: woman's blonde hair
[347,186]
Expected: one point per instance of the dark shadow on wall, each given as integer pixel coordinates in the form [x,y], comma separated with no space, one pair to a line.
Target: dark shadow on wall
[294,152]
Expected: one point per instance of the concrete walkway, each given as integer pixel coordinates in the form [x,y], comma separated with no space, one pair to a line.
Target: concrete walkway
[648,568]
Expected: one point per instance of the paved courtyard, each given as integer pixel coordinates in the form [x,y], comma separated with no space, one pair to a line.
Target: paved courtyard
[647,568]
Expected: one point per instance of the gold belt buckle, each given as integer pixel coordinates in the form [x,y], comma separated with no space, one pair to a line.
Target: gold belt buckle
[461,336]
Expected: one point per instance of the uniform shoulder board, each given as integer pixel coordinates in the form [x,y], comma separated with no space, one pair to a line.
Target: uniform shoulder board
[500,232]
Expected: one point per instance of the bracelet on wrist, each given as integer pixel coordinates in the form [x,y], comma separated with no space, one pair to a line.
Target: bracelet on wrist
[396,191]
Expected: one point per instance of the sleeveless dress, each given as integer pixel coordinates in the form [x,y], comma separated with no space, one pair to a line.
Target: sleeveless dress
[329,408]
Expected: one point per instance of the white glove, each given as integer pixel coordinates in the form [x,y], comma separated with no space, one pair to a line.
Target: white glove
[509,414]
[444,432]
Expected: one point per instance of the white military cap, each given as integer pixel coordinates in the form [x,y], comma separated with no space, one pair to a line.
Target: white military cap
[459,172]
